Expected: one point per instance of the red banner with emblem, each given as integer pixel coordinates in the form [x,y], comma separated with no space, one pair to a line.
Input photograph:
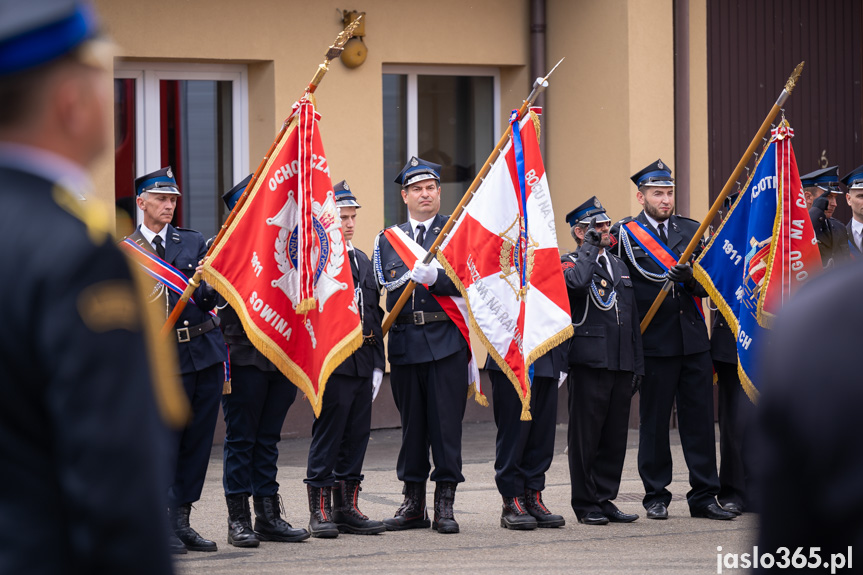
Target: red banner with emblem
[282,263]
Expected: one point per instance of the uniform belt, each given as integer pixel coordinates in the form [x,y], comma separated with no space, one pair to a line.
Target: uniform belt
[422,317]
[184,334]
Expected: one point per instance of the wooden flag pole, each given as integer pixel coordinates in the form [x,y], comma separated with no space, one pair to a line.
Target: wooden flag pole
[538,87]
[717,204]
[333,52]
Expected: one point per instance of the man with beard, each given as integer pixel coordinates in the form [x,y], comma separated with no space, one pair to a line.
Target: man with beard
[677,364]
[821,190]
[605,364]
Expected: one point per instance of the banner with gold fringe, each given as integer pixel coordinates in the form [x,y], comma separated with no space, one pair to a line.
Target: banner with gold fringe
[282,262]
[502,254]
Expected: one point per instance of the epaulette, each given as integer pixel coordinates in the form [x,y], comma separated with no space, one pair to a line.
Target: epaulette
[687,219]
[94,217]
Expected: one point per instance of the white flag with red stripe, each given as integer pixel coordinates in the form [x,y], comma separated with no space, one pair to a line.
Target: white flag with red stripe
[502,254]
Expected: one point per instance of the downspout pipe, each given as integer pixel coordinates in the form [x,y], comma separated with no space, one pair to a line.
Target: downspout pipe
[537,59]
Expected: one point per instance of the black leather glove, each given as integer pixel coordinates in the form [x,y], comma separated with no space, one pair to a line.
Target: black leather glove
[591,236]
[681,273]
[636,383]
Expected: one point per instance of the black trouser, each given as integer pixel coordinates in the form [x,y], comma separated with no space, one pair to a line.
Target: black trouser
[340,435]
[193,443]
[736,429]
[431,399]
[599,402]
[254,413]
[524,449]
[687,379]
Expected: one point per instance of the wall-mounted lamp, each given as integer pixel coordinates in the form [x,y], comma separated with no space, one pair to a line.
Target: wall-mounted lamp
[355,51]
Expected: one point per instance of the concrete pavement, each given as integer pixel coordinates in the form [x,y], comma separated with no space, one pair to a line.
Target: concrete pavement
[679,545]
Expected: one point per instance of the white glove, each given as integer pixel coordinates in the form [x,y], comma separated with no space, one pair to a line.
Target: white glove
[561,379]
[423,274]
[377,378]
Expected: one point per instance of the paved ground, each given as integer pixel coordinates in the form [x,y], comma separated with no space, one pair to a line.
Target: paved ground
[679,545]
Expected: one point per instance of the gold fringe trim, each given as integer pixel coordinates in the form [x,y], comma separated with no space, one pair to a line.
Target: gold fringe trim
[723,307]
[306,305]
[473,392]
[340,351]
[538,352]
[226,388]
[536,125]
[715,378]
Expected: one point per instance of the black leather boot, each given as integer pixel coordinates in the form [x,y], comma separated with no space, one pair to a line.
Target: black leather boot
[240,532]
[544,517]
[269,524]
[515,515]
[346,513]
[190,538]
[412,514]
[175,546]
[320,513]
[444,497]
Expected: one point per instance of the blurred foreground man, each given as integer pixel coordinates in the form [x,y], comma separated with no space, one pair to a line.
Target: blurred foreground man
[809,411]
[82,443]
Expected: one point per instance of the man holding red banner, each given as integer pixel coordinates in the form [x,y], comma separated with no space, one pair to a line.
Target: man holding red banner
[172,255]
[677,362]
[428,355]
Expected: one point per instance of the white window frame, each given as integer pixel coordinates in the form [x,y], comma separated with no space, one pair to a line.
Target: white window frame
[413,71]
[147,75]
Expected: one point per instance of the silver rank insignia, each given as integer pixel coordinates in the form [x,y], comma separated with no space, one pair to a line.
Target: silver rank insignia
[596,203]
[169,173]
[414,162]
[659,164]
[347,187]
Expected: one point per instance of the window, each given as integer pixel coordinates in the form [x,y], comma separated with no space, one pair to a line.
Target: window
[446,115]
[192,117]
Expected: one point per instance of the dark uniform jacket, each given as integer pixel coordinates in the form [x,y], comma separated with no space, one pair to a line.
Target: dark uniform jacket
[854,249]
[723,345]
[609,339]
[678,328]
[410,343]
[831,234]
[81,443]
[183,250]
[549,365]
[371,354]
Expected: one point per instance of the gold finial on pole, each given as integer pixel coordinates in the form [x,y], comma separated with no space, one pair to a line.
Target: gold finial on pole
[795,75]
[333,52]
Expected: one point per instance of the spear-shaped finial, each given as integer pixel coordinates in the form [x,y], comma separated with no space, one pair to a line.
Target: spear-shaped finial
[795,75]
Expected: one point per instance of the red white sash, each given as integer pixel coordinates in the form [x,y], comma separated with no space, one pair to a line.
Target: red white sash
[455,306]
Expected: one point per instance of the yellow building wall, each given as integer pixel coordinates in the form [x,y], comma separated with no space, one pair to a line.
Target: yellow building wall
[284,41]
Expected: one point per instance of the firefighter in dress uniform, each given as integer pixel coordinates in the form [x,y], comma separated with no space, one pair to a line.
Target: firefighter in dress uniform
[605,365]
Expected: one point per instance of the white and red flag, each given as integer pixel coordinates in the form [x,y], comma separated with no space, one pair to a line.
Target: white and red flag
[502,254]
[282,263]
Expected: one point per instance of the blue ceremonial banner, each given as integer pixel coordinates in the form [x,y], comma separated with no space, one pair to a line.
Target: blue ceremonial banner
[761,253]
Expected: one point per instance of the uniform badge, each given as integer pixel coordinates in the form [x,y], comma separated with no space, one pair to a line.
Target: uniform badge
[596,203]
[346,186]
[602,293]
[392,274]
[659,164]
[435,230]
[414,162]
[603,283]
[169,173]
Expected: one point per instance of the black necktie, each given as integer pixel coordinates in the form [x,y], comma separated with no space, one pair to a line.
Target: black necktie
[354,270]
[662,235]
[160,249]
[603,263]
[420,234]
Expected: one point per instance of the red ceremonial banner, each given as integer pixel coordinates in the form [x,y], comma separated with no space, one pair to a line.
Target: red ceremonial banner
[282,263]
